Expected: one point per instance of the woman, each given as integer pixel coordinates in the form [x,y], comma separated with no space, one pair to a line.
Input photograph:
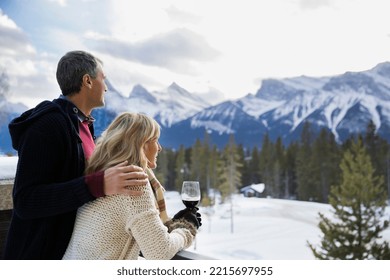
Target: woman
[120,226]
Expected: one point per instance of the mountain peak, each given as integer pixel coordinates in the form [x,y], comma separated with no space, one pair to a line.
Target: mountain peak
[175,91]
[110,87]
[139,91]
[273,89]
[382,69]
[174,87]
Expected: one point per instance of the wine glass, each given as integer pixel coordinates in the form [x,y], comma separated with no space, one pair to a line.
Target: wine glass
[190,194]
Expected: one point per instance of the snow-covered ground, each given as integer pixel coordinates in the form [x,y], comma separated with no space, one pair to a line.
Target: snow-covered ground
[266,229]
[8,167]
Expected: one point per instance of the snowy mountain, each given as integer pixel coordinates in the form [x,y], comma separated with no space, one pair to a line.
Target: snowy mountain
[219,121]
[168,106]
[344,104]
[8,111]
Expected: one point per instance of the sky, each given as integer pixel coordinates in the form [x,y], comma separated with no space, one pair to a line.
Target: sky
[223,47]
[263,229]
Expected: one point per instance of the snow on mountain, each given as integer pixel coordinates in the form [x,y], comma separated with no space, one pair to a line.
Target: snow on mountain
[168,106]
[219,121]
[8,111]
[334,98]
[8,107]
[344,104]
[256,107]
[218,118]
[176,104]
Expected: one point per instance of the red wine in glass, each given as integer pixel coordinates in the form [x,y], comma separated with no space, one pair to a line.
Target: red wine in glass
[190,194]
[190,203]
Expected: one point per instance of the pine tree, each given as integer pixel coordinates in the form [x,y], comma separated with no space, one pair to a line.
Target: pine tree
[358,206]
[230,174]
[213,167]
[254,167]
[208,199]
[325,161]
[161,171]
[266,165]
[378,149]
[306,182]
[290,186]
[196,161]
[182,169]
[279,165]
[223,185]
[205,164]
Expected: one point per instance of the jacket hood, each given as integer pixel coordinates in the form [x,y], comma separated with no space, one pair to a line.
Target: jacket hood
[18,126]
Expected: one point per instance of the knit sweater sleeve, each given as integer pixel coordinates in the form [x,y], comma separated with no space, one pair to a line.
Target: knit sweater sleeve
[152,235]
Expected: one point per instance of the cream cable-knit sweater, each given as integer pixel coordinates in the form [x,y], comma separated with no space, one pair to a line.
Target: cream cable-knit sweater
[120,226]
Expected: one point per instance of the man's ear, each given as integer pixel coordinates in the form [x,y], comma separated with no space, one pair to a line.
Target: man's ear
[87,81]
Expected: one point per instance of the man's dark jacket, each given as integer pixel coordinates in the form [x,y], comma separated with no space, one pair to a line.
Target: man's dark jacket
[49,183]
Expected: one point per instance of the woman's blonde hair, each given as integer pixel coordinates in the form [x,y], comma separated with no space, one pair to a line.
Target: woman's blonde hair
[124,139]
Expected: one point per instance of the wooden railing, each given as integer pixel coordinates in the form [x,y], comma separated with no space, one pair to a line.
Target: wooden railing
[187,255]
[6,212]
[5,218]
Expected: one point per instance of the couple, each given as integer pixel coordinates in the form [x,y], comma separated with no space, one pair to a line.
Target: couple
[73,200]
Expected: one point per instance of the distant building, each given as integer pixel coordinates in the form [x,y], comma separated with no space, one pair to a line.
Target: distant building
[254,190]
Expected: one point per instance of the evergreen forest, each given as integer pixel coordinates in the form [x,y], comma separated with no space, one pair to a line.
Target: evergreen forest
[304,170]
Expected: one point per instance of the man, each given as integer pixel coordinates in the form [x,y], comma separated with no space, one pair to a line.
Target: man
[53,141]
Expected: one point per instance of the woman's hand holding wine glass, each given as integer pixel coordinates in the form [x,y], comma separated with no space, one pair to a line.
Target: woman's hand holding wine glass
[190,196]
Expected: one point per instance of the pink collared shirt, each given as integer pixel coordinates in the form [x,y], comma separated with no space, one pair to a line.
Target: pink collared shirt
[86,137]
